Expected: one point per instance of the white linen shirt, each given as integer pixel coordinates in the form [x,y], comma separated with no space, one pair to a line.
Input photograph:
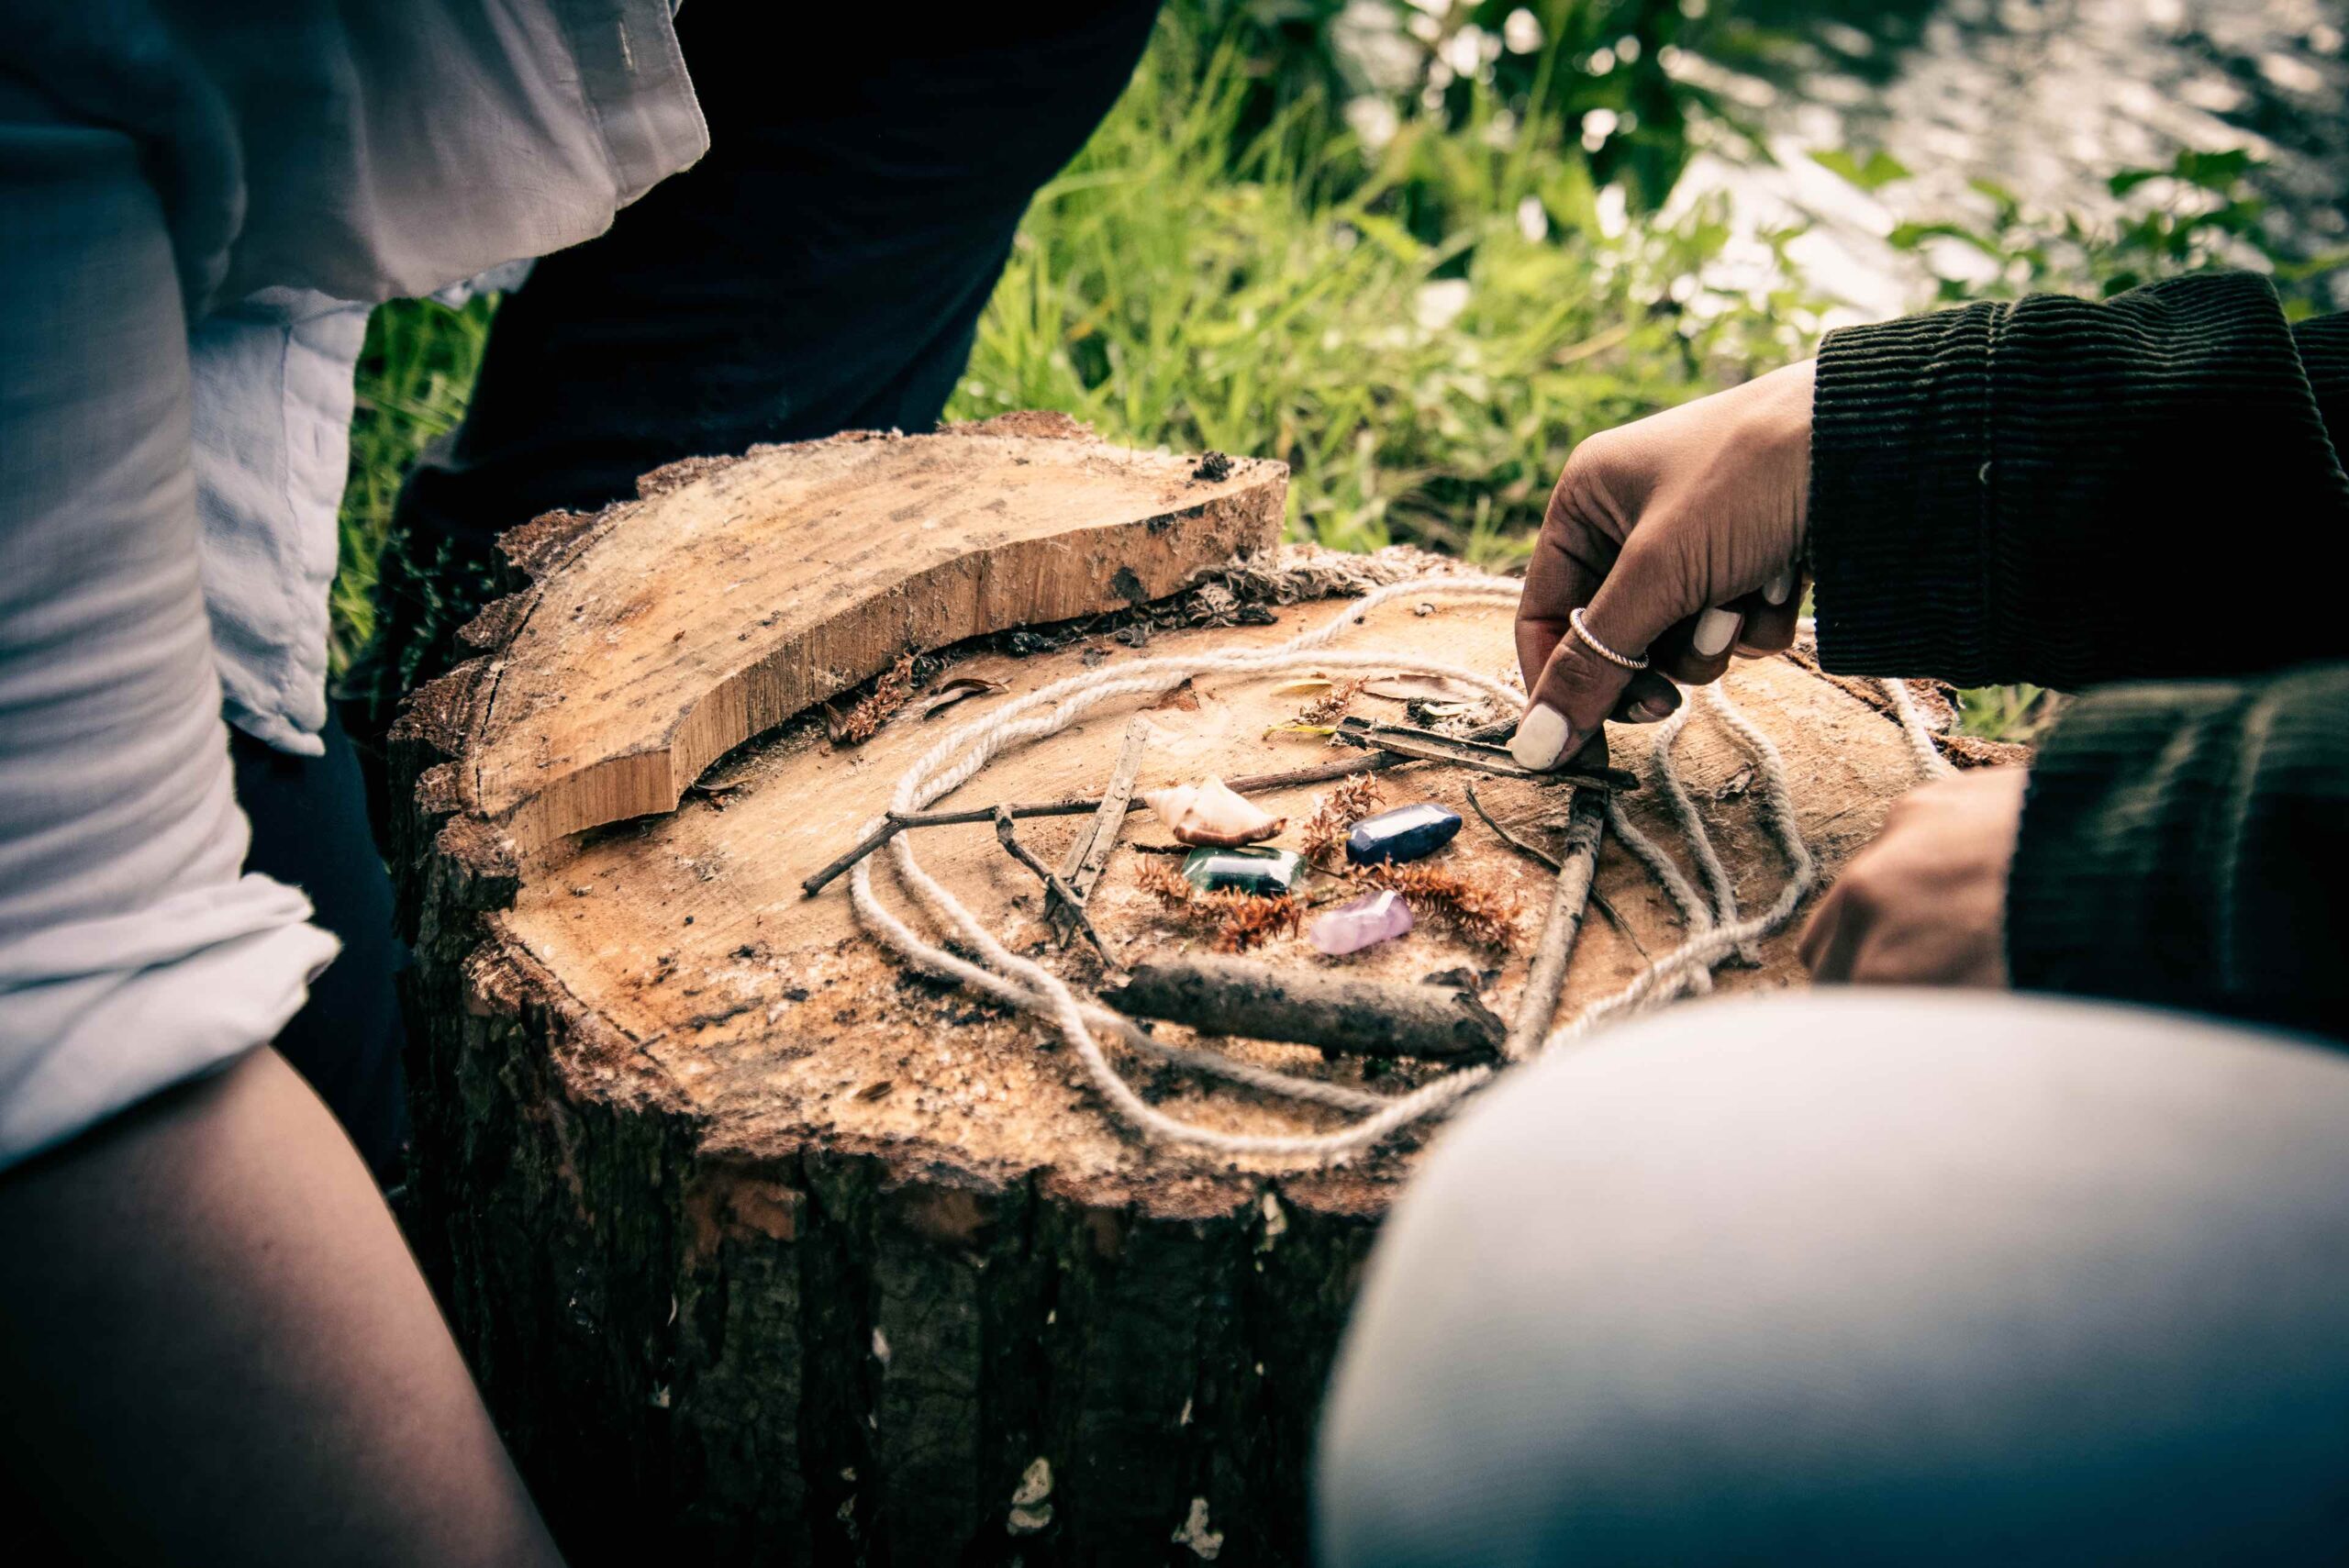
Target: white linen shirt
[199,201]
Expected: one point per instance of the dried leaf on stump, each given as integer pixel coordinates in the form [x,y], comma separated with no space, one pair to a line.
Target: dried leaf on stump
[961,688]
[1422,688]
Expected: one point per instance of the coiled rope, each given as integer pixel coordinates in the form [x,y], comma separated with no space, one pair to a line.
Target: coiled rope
[1716,929]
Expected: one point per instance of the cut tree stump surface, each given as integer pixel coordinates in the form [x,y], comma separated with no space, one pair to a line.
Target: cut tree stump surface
[734,594]
[765,1249]
[776,1019]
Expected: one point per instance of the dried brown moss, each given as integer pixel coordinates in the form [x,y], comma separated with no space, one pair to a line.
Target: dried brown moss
[1477,910]
[1334,816]
[1242,921]
[1330,705]
[889,693]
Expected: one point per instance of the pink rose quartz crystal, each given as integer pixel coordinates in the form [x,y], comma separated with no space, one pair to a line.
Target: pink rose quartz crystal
[1372,918]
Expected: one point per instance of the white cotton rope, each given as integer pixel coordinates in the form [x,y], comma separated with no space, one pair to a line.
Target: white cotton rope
[1929,761]
[1716,930]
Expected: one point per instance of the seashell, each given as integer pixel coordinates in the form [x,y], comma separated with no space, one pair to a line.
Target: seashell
[1210,814]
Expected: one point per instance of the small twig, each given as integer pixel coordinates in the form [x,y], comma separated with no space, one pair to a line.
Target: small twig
[1090,853]
[1615,918]
[896,822]
[1008,836]
[1546,978]
[1320,773]
[1528,847]
[1482,756]
[1514,841]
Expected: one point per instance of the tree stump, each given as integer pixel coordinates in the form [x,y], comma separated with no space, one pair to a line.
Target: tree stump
[767,1249]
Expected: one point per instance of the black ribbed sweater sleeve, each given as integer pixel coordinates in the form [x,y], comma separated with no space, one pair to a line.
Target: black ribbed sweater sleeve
[2149,491]
[2068,491]
[2186,844]
[2324,346]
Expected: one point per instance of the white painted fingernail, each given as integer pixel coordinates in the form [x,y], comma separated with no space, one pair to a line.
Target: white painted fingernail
[1541,738]
[1715,630]
[1779,588]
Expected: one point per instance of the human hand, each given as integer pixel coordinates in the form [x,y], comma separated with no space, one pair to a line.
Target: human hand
[1677,537]
[1926,903]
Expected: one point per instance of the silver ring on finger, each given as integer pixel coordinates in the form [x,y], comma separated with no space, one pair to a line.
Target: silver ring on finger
[1574,621]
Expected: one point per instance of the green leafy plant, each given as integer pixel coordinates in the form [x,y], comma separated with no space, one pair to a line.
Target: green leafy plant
[1879,170]
[1598,68]
[2202,210]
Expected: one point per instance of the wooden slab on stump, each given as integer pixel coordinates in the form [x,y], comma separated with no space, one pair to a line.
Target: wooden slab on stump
[663,632]
[767,1249]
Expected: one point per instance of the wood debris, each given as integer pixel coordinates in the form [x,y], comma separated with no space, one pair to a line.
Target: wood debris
[889,692]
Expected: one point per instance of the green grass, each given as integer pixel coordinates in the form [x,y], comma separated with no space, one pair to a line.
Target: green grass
[415,375]
[1183,285]
[2007,713]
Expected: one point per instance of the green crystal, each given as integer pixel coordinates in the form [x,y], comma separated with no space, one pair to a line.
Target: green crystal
[1268,873]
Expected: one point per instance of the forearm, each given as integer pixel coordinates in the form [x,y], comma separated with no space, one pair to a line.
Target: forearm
[2188,845]
[2071,493]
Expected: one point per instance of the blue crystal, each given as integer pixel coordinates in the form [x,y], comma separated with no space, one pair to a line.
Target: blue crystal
[1406,833]
[1267,873]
